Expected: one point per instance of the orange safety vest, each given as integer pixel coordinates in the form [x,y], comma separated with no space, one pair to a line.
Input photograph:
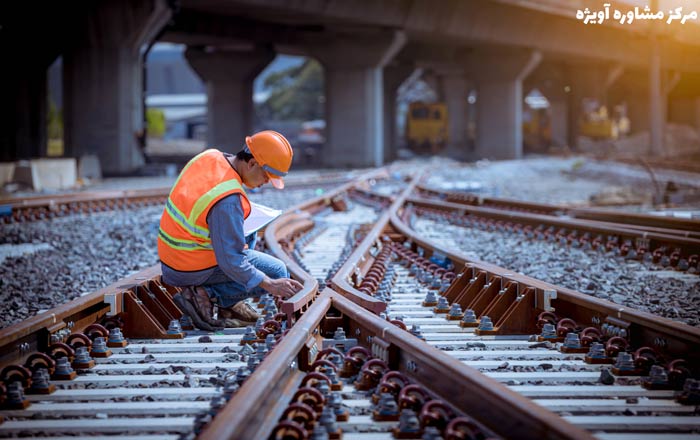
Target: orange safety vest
[184,243]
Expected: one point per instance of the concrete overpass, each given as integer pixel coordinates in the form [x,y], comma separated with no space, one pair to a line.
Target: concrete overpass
[367,47]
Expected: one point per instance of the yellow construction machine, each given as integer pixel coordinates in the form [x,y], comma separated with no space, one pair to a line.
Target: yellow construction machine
[426,127]
[597,124]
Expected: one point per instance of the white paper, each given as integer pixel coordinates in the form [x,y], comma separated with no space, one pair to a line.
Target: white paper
[259,217]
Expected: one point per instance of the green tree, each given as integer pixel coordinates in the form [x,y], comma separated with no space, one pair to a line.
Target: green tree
[296,93]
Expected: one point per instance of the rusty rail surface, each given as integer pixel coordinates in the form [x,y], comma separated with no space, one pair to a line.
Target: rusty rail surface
[261,400]
[36,330]
[358,262]
[143,306]
[297,220]
[630,220]
[15,209]
[634,239]
[680,340]
[44,207]
[80,312]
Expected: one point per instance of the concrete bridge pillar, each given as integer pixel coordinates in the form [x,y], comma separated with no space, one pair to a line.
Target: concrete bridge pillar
[455,88]
[102,82]
[657,99]
[23,78]
[685,110]
[499,79]
[557,93]
[394,76]
[355,97]
[646,111]
[587,82]
[23,133]
[229,77]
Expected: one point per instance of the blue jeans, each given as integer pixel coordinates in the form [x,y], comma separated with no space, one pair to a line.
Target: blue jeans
[229,292]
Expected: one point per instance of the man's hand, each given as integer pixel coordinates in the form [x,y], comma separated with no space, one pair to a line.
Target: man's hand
[282,287]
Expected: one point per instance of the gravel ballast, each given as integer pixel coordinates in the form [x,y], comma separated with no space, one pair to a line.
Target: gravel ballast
[637,284]
[50,262]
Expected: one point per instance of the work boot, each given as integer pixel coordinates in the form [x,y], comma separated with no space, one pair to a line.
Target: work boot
[200,298]
[193,303]
[241,311]
[234,323]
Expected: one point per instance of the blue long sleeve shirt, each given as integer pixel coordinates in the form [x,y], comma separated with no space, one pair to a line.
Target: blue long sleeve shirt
[225,220]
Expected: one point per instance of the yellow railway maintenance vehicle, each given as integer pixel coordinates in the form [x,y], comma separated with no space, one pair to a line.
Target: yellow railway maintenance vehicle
[426,127]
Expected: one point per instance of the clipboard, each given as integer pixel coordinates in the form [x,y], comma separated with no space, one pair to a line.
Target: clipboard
[260,216]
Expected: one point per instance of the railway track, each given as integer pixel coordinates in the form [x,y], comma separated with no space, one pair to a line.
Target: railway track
[640,267]
[602,217]
[677,247]
[514,329]
[357,258]
[13,210]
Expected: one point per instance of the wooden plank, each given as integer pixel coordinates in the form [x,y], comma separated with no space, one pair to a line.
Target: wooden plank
[159,393]
[53,409]
[159,424]
[661,423]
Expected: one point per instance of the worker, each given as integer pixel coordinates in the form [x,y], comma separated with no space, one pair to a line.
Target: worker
[201,243]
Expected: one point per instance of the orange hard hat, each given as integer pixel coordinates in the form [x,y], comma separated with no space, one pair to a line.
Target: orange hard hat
[273,153]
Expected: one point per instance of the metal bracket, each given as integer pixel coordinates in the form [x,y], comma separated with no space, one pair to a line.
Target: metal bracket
[642,242]
[358,276]
[547,297]
[115,302]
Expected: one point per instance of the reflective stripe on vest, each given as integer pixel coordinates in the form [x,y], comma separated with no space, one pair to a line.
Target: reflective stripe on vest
[183,238]
[181,244]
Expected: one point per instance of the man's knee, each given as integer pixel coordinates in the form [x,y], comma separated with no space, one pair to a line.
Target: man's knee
[271,266]
[278,270]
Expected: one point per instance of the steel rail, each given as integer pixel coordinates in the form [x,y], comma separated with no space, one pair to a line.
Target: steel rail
[35,334]
[262,398]
[660,224]
[36,330]
[259,402]
[359,260]
[80,312]
[687,246]
[21,209]
[646,329]
[291,222]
